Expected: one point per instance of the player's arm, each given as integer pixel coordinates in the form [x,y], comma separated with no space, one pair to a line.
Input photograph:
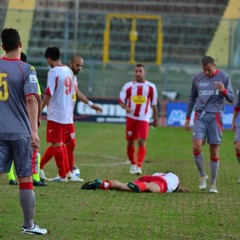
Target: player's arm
[84,99]
[183,189]
[155,115]
[32,109]
[45,101]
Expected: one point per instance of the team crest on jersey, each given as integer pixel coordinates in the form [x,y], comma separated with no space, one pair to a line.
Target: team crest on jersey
[33,79]
[129,133]
[138,99]
[32,68]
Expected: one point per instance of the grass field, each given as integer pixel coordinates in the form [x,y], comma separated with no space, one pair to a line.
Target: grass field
[71,213]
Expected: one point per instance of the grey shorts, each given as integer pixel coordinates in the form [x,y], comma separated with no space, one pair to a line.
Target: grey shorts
[208,126]
[19,152]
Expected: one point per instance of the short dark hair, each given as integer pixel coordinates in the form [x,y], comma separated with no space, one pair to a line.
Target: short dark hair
[23,57]
[207,60]
[139,65]
[10,39]
[53,53]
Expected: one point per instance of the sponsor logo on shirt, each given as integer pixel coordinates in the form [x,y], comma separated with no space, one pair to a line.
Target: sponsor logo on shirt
[204,84]
[33,79]
[138,99]
[206,92]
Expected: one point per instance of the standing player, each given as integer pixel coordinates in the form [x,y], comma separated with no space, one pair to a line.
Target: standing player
[209,88]
[18,132]
[136,97]
[58,99]
[167,182]
[76,66]
[236,128]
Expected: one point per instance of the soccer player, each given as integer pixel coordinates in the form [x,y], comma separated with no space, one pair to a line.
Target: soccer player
[209,89]
[76,65]
[167,182]
[36,156]
[19,131]
[236,127]
[136,98]
[58,99]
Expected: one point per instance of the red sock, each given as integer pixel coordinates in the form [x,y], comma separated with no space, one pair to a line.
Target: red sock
[70,153]
[59,155]
[141,185]
[141,155]
[130,153]
[26,185]
[46,157]
[105,185]
[66,163]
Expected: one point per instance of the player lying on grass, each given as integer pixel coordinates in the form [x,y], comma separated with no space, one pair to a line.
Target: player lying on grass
[156,183]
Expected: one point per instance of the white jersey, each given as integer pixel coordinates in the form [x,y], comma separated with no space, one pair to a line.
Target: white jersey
[171,179]
[60,86]
[139,97]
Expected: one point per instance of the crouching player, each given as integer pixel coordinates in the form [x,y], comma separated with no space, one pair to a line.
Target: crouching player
[157,183]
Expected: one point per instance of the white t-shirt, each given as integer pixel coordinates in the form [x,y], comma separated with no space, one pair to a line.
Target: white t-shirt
[60,86]
[171,179]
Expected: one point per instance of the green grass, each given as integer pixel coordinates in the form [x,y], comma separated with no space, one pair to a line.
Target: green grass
[70,213]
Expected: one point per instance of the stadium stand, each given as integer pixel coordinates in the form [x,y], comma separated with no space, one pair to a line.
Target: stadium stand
[188,28]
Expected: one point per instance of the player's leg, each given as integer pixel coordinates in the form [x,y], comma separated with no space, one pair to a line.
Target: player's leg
[11,176]
[131,137]
[56,137]
[142,132]
[237,145]
[37,181]
[23,167]
[198,138]
[215,138]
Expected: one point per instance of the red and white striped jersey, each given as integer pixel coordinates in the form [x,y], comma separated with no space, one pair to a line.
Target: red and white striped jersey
[139,97]
[60,86]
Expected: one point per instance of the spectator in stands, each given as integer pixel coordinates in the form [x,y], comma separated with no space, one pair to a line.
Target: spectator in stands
[167,182]
[19,131]
[136,97]
[209,89]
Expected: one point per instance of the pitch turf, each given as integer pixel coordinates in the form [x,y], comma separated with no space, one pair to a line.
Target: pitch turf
[71,213]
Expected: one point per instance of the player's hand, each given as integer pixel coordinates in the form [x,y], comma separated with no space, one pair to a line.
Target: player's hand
[128,110]
[35,140]
[97,108]
[219,86]
[155,122]
[187,125]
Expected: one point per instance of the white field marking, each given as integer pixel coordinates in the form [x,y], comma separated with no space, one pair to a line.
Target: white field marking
[121,161]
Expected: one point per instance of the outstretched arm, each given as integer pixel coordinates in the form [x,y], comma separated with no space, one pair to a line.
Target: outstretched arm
[183,189]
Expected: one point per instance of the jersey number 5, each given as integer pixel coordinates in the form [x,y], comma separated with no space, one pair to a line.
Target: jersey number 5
[3,87]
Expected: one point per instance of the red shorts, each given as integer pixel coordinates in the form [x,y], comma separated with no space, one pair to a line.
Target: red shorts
[69,133]
[55,132]
[136,129]
[154,179]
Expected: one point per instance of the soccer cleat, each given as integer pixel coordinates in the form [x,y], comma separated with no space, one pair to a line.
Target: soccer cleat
[75,178]
[35,230]
[93,185]
[138,171]
[42,175]
[203,182]
[133,169]
[134,187]
[13,182]
[213,189]
[58,179]
[40,183]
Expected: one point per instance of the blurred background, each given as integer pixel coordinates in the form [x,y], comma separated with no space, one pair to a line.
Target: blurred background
[169,36]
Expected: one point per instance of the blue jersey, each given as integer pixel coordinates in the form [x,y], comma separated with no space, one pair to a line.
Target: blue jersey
[205,97]
[17,80]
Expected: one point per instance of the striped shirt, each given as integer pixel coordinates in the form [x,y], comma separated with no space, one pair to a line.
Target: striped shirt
[139,97]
